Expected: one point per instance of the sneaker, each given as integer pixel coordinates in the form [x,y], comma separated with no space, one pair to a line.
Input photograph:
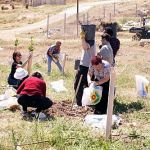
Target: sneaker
[25,114]
[42,116]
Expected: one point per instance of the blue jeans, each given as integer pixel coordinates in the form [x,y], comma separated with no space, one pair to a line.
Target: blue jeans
[57,63]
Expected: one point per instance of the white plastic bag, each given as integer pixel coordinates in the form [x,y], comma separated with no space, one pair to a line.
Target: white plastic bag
[58,86]
[99,121]
[91,95]
[141,85]
[8,93]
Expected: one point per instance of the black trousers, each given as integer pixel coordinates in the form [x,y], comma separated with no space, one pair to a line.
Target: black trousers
[81,71]
[36,101]
[101,107]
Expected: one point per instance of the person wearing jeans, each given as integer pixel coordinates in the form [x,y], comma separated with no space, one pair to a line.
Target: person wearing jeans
[52,55]
[56,62]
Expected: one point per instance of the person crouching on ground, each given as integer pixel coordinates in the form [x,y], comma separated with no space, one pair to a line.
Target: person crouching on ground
[100,69]
[17,62]
[52,55]
[33,94]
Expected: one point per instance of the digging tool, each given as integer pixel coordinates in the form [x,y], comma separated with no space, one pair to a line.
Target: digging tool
[64,62]
[54,57]
[26,61]
[77,90]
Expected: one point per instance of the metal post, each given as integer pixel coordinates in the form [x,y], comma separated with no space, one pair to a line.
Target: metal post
[77,18]
[114,9]
[110,17]
[64,24]
[136,10]
[104,11]
[83,18]
[87,19]
[47,25]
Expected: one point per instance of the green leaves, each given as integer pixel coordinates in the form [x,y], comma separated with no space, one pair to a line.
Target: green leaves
[31,45]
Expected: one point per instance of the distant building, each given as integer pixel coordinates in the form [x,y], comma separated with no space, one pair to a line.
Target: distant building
[35,3]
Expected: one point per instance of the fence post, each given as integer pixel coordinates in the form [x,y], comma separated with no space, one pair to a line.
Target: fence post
[87,18]
[47,25]
[114,9]
[136,7]
[104,12]
[110,19]
[110,103]
[77,16]
[83,18]
[65,24]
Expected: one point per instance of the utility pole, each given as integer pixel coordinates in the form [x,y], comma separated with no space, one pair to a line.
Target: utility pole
[77,17]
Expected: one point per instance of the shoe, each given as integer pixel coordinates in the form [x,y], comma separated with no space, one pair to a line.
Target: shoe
[97,112]
[25,114]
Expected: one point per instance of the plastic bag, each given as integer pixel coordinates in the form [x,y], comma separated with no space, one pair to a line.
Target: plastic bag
[91,95]
[141,85]
[58,86]
[8,93]
[99,121]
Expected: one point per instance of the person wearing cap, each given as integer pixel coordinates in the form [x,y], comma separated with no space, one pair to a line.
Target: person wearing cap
[17,62]
[52,55]
[114,42]
[32,93]
[20,74]
[100,69]
[106,50]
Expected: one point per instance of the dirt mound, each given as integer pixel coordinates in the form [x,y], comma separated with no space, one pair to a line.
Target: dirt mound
[63,108]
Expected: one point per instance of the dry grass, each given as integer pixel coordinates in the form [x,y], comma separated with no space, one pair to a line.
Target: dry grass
[132,134]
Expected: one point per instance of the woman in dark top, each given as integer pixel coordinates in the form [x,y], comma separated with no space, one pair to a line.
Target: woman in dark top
[17,63]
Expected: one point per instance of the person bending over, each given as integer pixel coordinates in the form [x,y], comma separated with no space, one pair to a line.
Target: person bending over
[100,69]
[52,55]
[33,94]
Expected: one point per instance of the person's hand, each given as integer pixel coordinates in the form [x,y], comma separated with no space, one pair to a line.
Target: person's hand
[82,35]
[96,83]
[49,53]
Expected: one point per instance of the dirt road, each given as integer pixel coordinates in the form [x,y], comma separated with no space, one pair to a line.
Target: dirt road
[10,34]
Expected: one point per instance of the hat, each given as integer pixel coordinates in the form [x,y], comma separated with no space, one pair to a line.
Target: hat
[20,73]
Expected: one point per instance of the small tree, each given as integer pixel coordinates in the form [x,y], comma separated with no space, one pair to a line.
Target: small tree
[16,44]
[31,45]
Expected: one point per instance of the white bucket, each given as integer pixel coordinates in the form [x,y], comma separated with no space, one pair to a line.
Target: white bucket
[141,85]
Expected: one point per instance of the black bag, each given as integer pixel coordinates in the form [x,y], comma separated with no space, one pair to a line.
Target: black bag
[90,31]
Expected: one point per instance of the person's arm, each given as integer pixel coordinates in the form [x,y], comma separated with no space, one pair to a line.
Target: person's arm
[90,75]
[106,75]
[85,45]
[105,79]
[104,53]
[50,51]
[44,89]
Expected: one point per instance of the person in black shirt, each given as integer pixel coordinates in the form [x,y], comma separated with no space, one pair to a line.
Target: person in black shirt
[114,42]
[17,63]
